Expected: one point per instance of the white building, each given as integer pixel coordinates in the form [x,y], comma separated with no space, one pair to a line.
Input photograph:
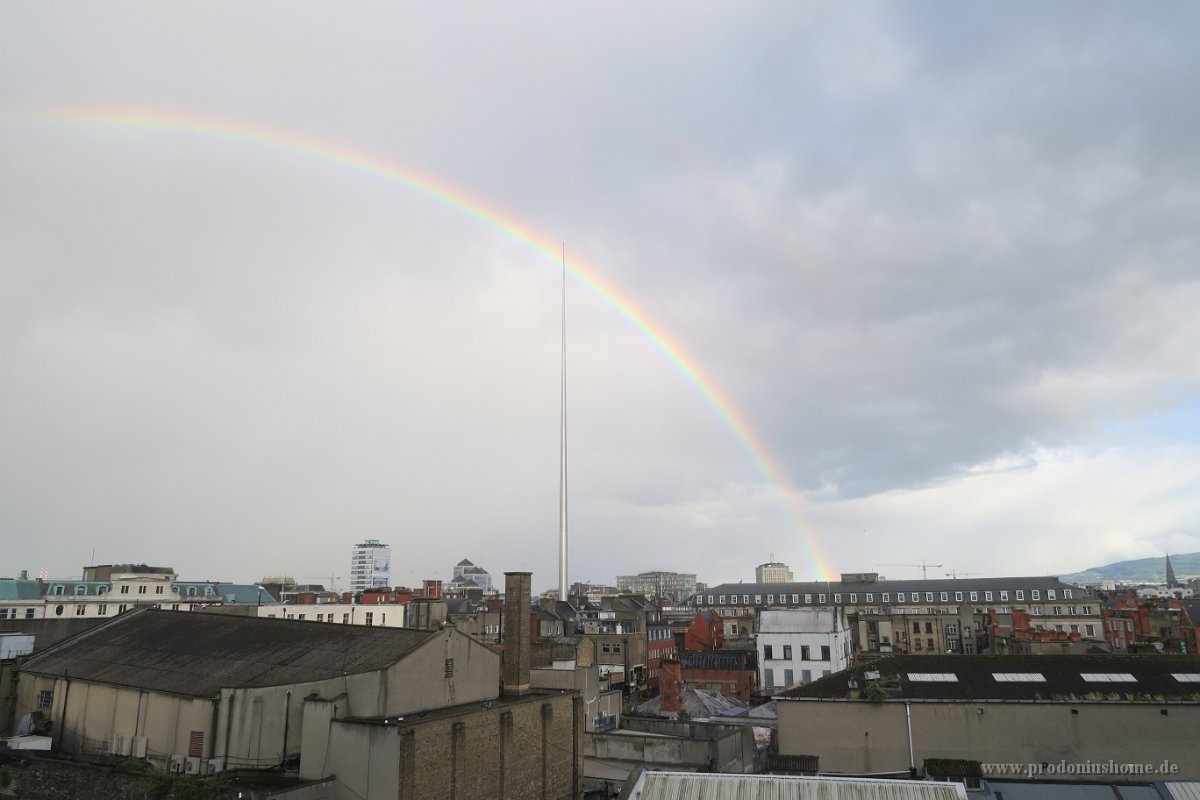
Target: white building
[798,645]
[773,572]
[370,565]
[385,615]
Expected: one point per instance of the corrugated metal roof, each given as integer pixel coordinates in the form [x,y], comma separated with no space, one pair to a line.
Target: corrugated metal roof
[1045,790]
[197,654]
[687,786]
[1183,790]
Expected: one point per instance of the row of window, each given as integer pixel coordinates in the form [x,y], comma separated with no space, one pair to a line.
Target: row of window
[772,652]
[58,590]
[1037,677]
[806,675]
[14,613]
[901,597]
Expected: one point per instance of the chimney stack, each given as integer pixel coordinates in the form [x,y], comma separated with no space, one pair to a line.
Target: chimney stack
[514,678]
[670,686]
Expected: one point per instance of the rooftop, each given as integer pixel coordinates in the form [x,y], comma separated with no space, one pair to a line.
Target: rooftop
[1025,677]
[197,654]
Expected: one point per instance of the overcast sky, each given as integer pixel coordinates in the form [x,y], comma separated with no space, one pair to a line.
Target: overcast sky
[942,257]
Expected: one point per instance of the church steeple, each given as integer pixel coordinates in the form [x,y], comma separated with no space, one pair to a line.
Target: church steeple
[1172,583]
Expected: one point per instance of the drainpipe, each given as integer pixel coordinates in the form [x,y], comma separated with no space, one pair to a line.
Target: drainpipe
[287,716]
[912,760]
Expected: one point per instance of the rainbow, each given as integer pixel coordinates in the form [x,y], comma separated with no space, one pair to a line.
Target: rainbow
[734,420]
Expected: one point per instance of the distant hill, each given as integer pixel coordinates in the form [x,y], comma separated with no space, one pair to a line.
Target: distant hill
[1141,570]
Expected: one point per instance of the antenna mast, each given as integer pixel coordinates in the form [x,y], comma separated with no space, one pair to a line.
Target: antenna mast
[562,454]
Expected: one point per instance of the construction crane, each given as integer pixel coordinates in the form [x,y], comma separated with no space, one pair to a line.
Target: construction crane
[956,574]
[924,565]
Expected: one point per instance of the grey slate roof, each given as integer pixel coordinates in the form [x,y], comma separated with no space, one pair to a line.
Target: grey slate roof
[932,585]
[197,654]
[974,678]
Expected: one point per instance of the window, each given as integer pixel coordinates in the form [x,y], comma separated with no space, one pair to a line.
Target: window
[449,671]
[804,653]
[854,598]
[806,675]
[45,698]
[1074,629]
[1057,611]
[929,627]
[795,599]
[974,597]
[1108,677]
[916,627]
[1066,594]
[1049,595]
[767,652]
[769,678]
[837,598]
[887,597]
[1003,596]
[932,677]
[80,609]
[58,610]
[787,652]
[870,597]
[944,596]
[770,599]
[987,597]
[158,590]
[1035,594]
[721,598]
[824,652]
[746,599]
[58,590]
[29,613]
[958,597]
[346,618]
[758,599]
[899,597]
[125,589]
[370,617]
[121,609]
[1020,595]
[710,600]
[808,598]
[952,630]
[821,599]
[930,642]
[141,590]
[1090,629]
[928,597]
[787,677]
[1087,610]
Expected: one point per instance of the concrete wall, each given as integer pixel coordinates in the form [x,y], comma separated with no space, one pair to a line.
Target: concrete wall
[529,747]
[860,737]
[247,726]
[670,744]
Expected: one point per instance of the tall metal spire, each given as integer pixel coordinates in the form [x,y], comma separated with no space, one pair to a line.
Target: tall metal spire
[562,454]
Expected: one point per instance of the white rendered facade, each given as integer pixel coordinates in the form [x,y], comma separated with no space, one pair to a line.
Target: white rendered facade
[384,615]
[799,645]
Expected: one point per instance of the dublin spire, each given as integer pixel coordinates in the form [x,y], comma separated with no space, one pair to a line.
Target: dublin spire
[562,447]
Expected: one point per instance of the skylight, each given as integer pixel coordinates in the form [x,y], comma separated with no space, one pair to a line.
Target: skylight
[1186,677]
[933,677]
[1019,677]
[1108,677]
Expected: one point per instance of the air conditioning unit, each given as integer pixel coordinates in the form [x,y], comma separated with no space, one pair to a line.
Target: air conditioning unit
[192,766]
[177,763]
[137,746]
[216,765]
[118,744]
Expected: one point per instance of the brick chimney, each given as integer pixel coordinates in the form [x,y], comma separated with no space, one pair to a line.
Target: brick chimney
[670,686]
[514,676]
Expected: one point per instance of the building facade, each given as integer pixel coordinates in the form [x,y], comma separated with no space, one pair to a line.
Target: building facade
[773,572]
[370,565]
[675,585]
[800,645]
